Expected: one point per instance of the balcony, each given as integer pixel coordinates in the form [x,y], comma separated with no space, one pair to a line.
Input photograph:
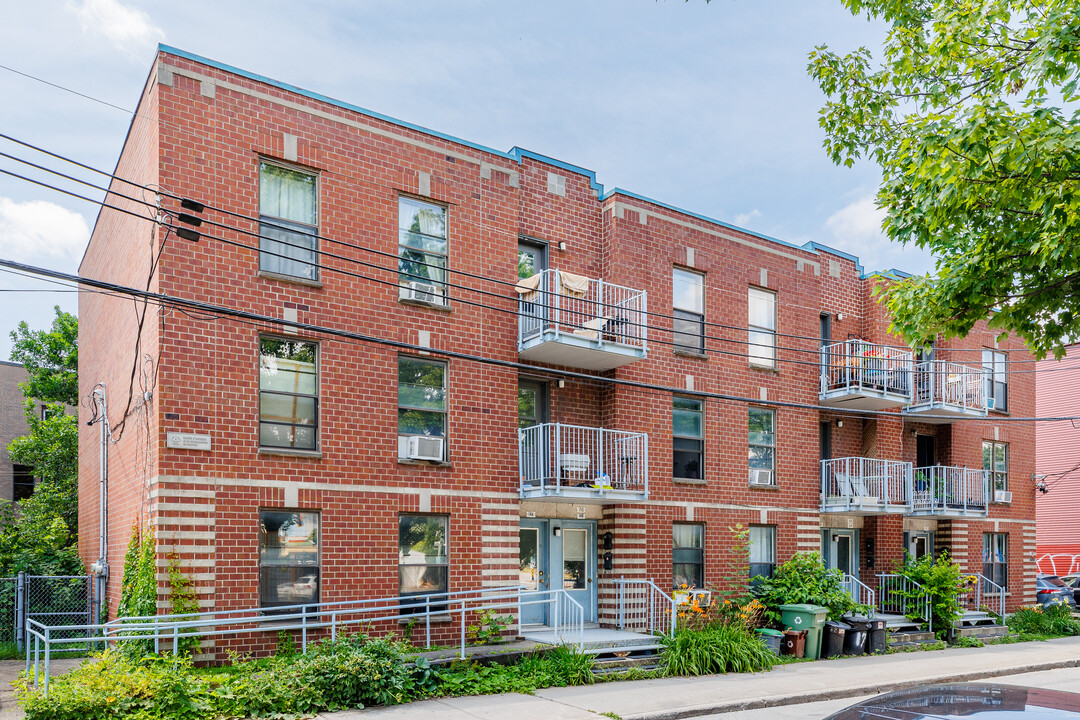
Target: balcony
[944,388]
[583,464]
[864,376]
[865,486]
[947,492]
[571,320]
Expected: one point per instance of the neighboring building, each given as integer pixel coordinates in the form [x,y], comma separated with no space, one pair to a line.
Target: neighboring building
[16,481]
[1057,457]
[340,469]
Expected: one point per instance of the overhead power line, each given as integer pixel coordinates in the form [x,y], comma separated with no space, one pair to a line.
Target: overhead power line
[200,306]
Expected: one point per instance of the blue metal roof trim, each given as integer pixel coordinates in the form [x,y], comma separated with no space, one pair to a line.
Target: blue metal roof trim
[820,247]
[516,154]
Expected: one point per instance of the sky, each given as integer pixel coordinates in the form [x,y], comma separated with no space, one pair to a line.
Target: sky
[704,106]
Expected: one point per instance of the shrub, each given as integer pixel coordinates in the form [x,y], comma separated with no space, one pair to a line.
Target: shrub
[805,579]
[1052,621]
[942,580]
[715,649]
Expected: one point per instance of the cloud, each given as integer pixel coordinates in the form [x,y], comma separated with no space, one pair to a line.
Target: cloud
[38,231]
[856,228]
[128,29]
[744,219]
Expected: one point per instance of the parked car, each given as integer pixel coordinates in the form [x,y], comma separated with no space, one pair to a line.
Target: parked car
[303,590]
[1072,581]
[969,700]
[1052,590]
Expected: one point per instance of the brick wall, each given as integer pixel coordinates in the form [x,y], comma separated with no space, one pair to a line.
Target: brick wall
[12,421]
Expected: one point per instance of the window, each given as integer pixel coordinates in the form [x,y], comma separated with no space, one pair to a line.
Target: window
[996,558]
[288,557]
[996,464]
[688,555]
[762,437]
[995,379]
[421,406]
[826,329]
[422,251]
[423,556]
[762,322]
[23,482]
[288,222]
[288,394]
[762,551]
[688,299]
[687,438]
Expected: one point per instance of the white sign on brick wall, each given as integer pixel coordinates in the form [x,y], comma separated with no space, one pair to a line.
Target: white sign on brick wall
[187,441]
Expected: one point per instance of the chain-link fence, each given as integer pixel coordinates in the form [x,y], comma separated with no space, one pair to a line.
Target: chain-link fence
[49,599]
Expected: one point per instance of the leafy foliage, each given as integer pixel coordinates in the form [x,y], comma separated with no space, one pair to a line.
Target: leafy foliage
[489,627]
[943,581]
[51,359]
[184,602]
[805,579]
[138,588]
[972,116]
[720,648]
[1052,621]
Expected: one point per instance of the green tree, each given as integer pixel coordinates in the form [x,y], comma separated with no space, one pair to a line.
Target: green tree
[39,535]
[972,115]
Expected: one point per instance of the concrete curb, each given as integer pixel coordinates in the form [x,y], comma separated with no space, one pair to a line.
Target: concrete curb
[849,691]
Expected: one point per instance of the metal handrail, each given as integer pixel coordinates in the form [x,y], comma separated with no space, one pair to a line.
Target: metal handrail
[939,488]
[559,455]
[652,609]
[984,587]
[568,614]
[860,592]
[857,365]
[947,383]
[604,313]
[869,482]
[911,594]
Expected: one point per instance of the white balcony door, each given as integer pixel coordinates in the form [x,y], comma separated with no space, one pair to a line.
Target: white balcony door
[556,555]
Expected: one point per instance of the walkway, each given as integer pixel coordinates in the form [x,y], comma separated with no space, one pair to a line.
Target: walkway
[669,698]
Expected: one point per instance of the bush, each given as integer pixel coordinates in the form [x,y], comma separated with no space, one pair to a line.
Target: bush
[560,667]
[805,579]
[942,580]
[715,649]
[1053,621]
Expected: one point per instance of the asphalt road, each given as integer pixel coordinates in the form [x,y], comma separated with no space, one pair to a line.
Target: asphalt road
[1067,679]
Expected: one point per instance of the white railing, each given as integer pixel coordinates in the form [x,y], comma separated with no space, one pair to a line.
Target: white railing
[944,383]
[554,456]
[168,632]
[644,607]
[984,592]
[940,489]
[563,304]
[856,365]
[903,596]
[860,592]
[858,482]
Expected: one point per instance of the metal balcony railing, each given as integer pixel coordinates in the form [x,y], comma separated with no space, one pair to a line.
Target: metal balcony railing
[857,366]
[943,490]
[940,384]
[558,303]
[558,459]
[858,483]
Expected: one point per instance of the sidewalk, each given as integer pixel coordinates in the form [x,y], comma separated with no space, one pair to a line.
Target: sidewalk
[671,698]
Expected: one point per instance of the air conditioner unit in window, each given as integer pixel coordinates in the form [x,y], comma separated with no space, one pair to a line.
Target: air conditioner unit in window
[421,447]
[1002,496]
[760,477]
[423,292]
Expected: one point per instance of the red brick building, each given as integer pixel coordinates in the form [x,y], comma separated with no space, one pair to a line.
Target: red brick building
[672,376]
[1057,450]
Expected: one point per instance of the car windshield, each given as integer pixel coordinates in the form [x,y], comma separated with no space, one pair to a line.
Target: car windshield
[1053,580]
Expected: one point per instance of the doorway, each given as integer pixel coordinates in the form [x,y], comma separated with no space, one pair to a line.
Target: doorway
[919,544]
[925,453]
[556,555]
[840,549]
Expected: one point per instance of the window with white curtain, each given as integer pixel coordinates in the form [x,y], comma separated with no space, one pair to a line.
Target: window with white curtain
[762,551]
[762,332]
[288,221]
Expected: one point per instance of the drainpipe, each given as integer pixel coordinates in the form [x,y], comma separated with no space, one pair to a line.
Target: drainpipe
[100,569]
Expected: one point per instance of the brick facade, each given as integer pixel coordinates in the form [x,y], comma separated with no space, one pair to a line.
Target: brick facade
[12,421]
[200,132]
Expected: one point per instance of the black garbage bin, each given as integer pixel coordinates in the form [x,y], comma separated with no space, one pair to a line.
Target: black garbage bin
[876,642]
[855,642]
[832,645]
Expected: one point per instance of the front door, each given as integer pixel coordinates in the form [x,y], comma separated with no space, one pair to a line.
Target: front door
[840,549]
[919,543]
[925,456]
[556,555]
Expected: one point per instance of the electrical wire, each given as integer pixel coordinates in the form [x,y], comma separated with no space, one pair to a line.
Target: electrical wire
[337,333]
[260,221]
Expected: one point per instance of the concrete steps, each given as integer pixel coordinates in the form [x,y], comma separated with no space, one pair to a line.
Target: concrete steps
[983,632]
[611,661]
[909,638]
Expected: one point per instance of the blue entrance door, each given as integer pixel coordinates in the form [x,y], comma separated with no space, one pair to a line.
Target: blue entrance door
[557,555]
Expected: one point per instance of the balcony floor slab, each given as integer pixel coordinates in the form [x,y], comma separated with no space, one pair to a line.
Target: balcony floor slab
[580,352]
[581,495]
[917,412]
[862,399]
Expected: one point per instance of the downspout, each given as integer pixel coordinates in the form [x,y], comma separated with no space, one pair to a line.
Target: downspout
[101,568]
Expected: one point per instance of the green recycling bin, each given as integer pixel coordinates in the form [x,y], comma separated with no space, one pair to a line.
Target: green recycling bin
[806,617]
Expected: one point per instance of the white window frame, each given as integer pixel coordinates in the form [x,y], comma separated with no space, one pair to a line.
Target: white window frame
[996,377]
[445,412]
[750,444]
[761,354]
[290,227]
[762,539]
[688,314]
[430,257]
